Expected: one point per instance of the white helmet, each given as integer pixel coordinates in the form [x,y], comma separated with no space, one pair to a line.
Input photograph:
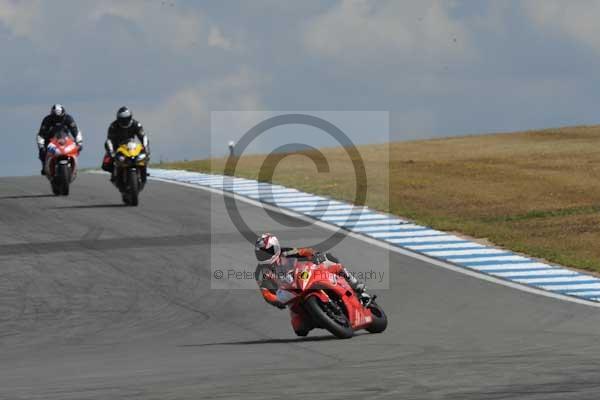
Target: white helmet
[57,110]
[267,249]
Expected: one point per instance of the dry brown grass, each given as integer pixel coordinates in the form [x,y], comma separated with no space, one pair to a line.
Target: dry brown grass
[536,192]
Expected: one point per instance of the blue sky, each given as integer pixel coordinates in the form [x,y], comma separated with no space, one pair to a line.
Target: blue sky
[440,68]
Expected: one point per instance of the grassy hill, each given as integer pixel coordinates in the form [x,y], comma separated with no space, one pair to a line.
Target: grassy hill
[537,192]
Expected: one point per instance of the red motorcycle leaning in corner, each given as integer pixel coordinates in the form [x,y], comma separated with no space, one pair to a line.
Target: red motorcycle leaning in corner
[318,291]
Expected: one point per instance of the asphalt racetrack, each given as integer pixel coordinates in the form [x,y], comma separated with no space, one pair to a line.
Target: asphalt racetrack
[100,301]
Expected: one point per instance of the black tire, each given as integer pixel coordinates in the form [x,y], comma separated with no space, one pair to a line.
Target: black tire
[55,188]
[322,319]
[134,187]
[63,175]
[65,188]
[379,319]
[301,333]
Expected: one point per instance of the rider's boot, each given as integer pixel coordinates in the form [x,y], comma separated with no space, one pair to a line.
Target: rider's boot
[358,287]
[301,324]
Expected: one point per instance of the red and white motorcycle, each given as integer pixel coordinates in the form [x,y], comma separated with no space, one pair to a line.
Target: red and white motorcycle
[61,162]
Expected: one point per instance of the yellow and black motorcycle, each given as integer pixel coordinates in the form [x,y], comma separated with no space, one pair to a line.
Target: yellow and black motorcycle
[130,161]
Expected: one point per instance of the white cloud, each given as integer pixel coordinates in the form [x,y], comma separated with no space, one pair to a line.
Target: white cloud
[181,122]
[167,26]
[51,23]
[576,18]
[494,18]
[363,31]
[217,39]
[20,17]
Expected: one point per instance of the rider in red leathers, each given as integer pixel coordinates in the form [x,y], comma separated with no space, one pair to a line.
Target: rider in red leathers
[274,264]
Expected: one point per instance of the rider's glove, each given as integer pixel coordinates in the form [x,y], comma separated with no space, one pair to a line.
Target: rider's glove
[319,258]
[79,147]
[278,304]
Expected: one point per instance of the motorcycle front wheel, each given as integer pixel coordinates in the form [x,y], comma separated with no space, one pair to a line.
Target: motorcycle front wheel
[330,317]
[55,188]
[379,319]
[134,187]
[63,179]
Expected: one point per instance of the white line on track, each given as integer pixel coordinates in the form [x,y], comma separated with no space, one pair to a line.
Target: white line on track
[464,245]
[540,272]
[313,203]
[377,222]
[351,219]
[322,207]
[385,228]
[464,252]
[516,266]
[422,232]
[566,280]
[436,238]
[285,201]
[572,287]
[484,259]
[586,293]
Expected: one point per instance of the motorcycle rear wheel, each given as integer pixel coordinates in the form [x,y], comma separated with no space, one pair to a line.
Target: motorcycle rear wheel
[322,316]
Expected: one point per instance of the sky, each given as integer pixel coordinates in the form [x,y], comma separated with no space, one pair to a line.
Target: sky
[439,67]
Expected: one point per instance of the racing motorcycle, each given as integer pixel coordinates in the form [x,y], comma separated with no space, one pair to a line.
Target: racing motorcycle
[61,162]
[328,302]
[130,164]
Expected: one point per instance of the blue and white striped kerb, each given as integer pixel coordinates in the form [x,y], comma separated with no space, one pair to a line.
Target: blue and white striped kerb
[398,232]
